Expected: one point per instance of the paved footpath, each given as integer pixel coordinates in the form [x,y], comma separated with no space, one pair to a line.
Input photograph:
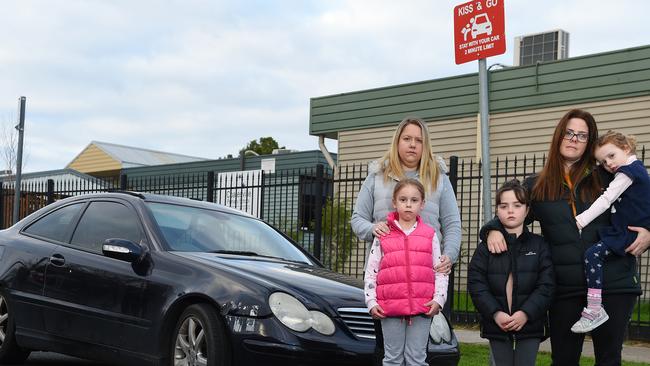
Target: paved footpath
[633,353]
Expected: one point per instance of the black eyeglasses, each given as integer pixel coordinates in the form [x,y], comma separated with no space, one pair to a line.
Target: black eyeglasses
[580,136]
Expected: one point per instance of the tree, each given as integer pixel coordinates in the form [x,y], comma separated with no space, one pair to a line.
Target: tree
[262,146]
[9,145]
[338,233]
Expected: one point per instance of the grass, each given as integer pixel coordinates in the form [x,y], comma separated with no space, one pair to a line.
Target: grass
[641,311]
[477,354]
[463,303]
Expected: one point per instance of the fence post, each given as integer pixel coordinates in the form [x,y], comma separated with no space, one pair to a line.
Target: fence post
[261,207]
[2,205]
[453,172]
[453,178]
[123,182]
[318,210]
[210,188]
[50,192]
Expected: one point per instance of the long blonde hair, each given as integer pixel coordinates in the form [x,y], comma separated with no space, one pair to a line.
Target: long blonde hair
[428,168]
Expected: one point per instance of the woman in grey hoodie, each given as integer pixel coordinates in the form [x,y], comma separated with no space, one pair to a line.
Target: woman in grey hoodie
[410,156]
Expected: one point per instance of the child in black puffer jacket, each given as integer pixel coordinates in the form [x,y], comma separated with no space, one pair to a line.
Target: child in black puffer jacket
[513,290]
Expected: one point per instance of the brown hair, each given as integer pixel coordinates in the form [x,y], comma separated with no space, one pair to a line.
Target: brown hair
[521,193]
[549,185]
[619,140]
[428,169]
[408,182]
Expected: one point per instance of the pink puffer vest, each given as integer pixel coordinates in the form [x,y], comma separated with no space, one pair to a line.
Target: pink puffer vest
[406,279]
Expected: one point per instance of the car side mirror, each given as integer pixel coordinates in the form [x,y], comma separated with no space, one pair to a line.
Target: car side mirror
[124,250]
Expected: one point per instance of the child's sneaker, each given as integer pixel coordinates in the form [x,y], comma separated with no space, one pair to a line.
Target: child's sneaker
[590,320]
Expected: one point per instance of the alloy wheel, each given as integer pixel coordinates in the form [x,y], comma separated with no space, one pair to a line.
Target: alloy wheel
[191,345]
[4,319]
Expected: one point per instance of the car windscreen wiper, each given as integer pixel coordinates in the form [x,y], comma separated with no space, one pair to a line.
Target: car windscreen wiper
[251,254]
[236,252]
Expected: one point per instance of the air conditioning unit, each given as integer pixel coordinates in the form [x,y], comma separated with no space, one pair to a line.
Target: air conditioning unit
[540,47]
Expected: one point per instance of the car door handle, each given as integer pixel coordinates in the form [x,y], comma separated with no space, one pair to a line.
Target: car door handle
[57,260]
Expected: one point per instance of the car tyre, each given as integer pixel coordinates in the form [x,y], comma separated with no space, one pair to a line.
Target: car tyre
[199,338]
[10,353]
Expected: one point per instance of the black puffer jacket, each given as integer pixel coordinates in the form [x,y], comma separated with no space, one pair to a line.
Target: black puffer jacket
[568,245]
[529,260]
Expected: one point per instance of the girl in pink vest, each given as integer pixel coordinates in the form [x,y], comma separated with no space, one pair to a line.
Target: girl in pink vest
[401,287]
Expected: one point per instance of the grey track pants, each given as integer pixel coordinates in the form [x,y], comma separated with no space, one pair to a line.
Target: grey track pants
[524,354]
[405,343]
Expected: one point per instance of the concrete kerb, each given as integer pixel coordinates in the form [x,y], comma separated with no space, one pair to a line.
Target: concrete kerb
[633,353]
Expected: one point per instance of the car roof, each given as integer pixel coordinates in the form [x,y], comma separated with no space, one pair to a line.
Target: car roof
[150,197]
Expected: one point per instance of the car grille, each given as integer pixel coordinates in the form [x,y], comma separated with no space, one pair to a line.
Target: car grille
[359,322]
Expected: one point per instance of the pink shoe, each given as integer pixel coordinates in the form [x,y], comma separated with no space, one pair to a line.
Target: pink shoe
[590,320]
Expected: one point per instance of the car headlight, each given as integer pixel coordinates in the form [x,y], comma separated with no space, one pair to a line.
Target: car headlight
[321,323]
[294,315]
[290,311]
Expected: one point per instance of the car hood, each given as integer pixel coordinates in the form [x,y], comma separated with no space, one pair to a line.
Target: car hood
[316,287]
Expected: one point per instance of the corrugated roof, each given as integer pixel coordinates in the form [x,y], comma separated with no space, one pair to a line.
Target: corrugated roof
[37,181]
[57,175]
[285,161]
[131,157]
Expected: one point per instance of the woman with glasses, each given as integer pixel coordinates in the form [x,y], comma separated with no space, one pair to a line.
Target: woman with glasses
[409,156]
[568,184]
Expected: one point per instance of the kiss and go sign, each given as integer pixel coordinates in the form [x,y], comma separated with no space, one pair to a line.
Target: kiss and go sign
[479,30]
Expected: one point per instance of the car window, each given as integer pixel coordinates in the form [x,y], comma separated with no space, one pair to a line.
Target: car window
[56,224]
[193,229]
[106,220]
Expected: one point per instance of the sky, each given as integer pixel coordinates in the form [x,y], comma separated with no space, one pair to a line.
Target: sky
[203,78]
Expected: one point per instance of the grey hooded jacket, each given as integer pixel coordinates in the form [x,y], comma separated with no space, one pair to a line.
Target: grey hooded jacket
[440,211]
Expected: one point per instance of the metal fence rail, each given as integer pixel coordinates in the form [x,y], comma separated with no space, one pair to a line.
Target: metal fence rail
[313,207]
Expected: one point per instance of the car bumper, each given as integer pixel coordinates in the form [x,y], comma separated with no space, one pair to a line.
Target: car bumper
[268,342]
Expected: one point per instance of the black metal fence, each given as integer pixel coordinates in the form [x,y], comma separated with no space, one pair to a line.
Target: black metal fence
[313,206]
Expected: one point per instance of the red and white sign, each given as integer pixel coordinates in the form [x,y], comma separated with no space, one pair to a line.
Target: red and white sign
[479,30]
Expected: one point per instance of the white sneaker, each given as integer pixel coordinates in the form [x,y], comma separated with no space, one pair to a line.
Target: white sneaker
[590,320]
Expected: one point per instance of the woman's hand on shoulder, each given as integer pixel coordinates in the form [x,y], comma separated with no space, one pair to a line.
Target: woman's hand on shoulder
[444,266]
[380,229]
[496,243]
[642,242]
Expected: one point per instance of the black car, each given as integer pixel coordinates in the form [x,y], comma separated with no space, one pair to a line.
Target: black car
[136,278]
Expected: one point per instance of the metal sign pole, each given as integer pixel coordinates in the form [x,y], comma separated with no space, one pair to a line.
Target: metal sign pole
[19,160]
[484,109]
[479,32]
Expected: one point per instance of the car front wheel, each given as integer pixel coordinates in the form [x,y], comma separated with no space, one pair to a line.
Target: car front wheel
[200,339]
[10,353]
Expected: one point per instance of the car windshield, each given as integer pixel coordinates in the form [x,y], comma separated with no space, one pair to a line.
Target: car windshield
[482,19]
[193,229]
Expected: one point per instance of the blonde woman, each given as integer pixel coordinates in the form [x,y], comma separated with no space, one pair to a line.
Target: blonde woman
[410,156]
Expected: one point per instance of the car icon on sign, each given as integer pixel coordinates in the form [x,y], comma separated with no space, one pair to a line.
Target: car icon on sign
[481,25]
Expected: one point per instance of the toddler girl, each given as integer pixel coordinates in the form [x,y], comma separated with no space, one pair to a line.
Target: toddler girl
[629,197]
